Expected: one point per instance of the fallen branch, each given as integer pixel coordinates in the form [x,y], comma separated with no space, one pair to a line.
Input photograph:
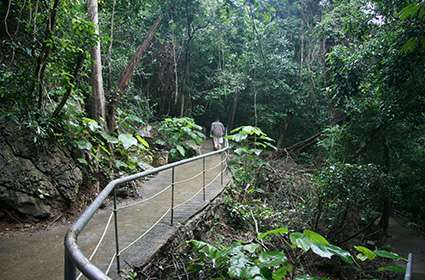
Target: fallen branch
[13,217]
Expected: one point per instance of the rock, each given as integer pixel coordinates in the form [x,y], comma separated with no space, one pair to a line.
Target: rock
[63,171]
[160,157]
[146,131]
[24,203]
[195,148]
[129,189]
[144,166]
[34,178]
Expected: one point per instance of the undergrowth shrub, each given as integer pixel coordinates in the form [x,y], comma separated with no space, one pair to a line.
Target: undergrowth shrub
[180,136]
[98,151]
[351,201]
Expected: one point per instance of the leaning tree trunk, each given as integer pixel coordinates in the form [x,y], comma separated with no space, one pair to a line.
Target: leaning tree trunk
[98,96]
[128,73]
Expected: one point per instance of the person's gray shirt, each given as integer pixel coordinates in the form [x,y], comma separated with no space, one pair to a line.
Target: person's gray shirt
[217,129]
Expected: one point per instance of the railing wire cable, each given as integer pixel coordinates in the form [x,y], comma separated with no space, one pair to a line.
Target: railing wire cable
[199,174]
[192,197]
[100,240]
[110,264]
[169,209]
[169,186]
[146,232]
[145,199]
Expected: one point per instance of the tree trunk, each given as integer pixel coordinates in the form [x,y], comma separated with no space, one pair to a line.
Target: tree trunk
[182,106]
[45,52]
[255,106]
[128,73]
[176,96]
[189,34]
[98,95]
[386,208]
[111,36]
[302,50]
[232,115]
[134,61]
[284,131]
[73,81]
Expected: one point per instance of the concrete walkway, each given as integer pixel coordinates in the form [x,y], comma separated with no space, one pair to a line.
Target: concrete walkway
[39,255]
[405,241]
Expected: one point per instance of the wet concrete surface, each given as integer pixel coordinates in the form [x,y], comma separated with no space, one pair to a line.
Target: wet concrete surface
[39,255]
[405,241]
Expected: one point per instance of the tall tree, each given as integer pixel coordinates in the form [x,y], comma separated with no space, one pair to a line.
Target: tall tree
[128,73]
[97,100]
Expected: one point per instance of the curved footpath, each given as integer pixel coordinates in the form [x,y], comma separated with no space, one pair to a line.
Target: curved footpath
[39,255]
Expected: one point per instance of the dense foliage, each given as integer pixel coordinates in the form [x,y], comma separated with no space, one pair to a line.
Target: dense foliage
[338,83]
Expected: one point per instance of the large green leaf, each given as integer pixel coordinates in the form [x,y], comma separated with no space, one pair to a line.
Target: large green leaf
[315,237]
[280,273]
[181,150]
[119,164]
[142,141]
[343,254]
[84,145]
[127,140]
[238,263]
[91,124]
[252,272]
[271,259]
[251,248]
[109,138]
[298,240]
[82,161]
[410,11]
[370,255]
[273,232]
[216,255]
[388,255]
[321,250]
[392,268]
[308,277]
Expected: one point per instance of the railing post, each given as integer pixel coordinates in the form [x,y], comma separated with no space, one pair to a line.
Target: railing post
[172,196]
[221,167]
[408,273]
[203,177]
[117,247]
[70,269]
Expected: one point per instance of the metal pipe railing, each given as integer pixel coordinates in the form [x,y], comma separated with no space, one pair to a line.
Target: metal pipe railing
[75,259]
[408,273]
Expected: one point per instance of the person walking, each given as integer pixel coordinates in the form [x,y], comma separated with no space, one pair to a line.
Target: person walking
[217,133]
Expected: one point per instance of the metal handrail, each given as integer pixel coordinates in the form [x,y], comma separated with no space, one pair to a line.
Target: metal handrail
[408,273]
[74,257]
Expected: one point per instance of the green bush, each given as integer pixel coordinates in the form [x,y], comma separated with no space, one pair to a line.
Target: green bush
[254,260]
[249,143]
[102,152]
[180,135]
[351,197]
